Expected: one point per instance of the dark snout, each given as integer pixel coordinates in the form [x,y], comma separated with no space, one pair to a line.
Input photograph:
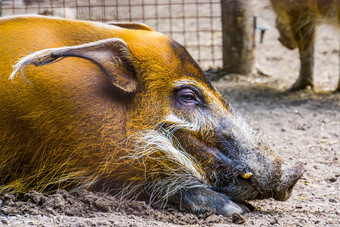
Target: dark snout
[287,44]
[286,38]
[286,184]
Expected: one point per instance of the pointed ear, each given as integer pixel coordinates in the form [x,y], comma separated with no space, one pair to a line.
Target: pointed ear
[111,55]
[131,25]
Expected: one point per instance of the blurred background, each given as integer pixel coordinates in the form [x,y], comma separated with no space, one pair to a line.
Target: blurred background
[196,24]
[219,34]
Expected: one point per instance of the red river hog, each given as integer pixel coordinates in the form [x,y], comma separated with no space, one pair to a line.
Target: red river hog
[122,108]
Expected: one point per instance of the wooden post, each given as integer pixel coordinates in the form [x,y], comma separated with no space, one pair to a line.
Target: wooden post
[238,36]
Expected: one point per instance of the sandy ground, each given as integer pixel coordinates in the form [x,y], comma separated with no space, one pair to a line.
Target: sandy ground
[302,126]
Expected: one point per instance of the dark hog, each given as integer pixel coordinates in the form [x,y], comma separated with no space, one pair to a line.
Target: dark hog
[123,108]
[296,21]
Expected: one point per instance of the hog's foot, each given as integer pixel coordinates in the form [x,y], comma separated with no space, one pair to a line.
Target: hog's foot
[204,200]
[301,84]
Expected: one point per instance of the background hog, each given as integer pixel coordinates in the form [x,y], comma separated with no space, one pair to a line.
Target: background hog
[296,22]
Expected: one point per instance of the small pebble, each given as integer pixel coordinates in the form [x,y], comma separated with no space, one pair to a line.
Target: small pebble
[273,221]
[333,179]
[333,201]
[238,219]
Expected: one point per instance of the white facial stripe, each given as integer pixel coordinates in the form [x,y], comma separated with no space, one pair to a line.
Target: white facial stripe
[178,123]
[182,82]
[172,168]
[201,123]
[167,156]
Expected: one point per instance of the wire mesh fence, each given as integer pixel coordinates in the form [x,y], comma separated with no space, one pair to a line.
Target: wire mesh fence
[196,24]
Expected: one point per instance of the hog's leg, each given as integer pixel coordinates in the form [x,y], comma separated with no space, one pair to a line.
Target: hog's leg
[305,38]
[338,87]
[204,200]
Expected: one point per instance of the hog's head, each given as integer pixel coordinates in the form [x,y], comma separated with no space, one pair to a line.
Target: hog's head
[199,141]
[287,37]
[284,22]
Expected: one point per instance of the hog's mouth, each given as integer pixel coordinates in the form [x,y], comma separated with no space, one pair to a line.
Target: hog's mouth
[225,174]
[239,189]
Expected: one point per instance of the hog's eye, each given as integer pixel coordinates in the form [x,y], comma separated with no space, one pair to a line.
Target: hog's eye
[187,97]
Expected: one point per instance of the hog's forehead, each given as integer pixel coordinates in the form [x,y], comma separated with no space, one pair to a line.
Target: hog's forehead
[162,56]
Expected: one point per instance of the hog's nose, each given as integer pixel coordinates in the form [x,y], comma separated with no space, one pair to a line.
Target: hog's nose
[286,184]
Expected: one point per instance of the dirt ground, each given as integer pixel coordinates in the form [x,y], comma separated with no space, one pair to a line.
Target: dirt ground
[302,126]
